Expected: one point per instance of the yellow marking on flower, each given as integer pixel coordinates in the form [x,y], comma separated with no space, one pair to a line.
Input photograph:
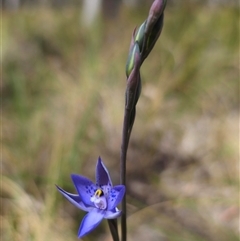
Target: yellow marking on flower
[99,193]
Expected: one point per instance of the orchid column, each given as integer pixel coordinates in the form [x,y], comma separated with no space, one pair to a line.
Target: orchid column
[143,41]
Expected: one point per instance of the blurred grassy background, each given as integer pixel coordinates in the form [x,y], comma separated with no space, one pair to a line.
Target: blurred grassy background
[63,97]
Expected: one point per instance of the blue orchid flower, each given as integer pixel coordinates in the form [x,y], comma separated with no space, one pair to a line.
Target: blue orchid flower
[100,200]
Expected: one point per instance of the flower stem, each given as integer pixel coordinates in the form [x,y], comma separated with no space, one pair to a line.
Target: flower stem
[143,40]
[112,223]
[125,139]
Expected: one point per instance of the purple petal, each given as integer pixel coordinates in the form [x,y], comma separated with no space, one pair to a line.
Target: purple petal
[115,196]
[90,221]
[111,214]
[85,188]
[74,199]
[102,175]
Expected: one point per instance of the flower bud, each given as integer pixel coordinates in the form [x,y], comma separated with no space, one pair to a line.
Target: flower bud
[139,35]
[133,81]
[132,56]
[151,38]
[155,12]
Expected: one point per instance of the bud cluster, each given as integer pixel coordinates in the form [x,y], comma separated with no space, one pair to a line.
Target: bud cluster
[143,41]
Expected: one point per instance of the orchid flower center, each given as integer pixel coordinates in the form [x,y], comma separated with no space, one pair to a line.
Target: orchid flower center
[99,199]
